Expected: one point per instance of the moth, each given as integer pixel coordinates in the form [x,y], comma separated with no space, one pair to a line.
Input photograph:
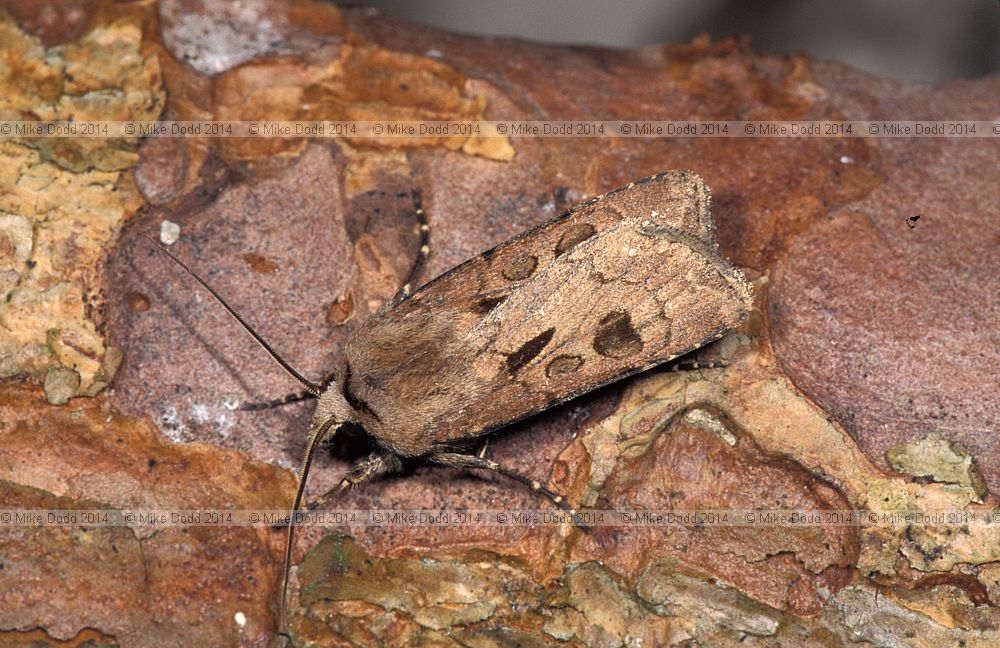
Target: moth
[614,286]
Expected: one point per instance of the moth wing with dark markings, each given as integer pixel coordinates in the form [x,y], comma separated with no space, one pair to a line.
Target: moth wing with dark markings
[635,296]
[617,285]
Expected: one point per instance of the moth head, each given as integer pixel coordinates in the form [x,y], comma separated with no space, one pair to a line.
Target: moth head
[333,406]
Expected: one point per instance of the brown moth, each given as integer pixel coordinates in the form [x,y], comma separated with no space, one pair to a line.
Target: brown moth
[616,285]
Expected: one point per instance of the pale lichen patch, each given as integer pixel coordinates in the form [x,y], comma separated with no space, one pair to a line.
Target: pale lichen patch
[62,199]
[936,457]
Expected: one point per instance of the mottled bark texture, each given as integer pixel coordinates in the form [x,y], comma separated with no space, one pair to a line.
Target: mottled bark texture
[864,376]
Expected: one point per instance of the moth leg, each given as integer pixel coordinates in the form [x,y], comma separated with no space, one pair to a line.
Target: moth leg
[377,463]
[688,365]
[482,451]
[457,460]
[422,253]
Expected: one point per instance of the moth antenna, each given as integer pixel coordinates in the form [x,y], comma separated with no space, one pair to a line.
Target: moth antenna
[300,489]
[311,387]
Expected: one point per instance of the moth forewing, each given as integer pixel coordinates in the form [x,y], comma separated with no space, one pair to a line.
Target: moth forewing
[630,298]
[617,285]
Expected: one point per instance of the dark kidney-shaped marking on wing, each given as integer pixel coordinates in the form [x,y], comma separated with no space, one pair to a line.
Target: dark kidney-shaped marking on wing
[562,365]
[575,235]
[615,337]
[529,350]
[520,269]
[486,304]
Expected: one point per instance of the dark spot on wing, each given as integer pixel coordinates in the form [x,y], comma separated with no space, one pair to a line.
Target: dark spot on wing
[562,365]
[521,268]
[599,277]
[575,234]
[529,350]
[486,304]
[616,338]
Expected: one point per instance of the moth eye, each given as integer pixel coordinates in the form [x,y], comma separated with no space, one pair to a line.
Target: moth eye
[616,338]
[575,235]
[486,304]
[529,350]
[562,365]
[521,268]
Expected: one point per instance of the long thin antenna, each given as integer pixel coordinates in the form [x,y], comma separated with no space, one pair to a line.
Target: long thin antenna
[310,386]
[300,489]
